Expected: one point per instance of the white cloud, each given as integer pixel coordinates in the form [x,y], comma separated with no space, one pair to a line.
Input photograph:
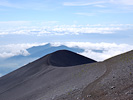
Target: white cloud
[82,3]
[108,49]
[122,5]
[81,30]
[111,5]
[124,2]
[29,4]
[20,5]
[66,29]
[86,14]
[98,3]
[101,6]
[5,3]
[10,50]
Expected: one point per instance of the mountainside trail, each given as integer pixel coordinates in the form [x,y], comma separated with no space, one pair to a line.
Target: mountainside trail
[87,90]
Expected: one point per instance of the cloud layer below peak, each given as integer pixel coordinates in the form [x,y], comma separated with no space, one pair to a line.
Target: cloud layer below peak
[60,29]
[97,51]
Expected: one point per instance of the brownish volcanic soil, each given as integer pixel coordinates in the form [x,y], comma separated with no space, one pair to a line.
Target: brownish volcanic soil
[111,79]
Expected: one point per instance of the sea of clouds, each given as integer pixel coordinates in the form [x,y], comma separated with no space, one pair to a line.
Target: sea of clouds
[96,51]
[91,50]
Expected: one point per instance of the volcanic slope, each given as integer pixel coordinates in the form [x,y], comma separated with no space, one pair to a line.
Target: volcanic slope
[116,83]
[45,78]
[111,79]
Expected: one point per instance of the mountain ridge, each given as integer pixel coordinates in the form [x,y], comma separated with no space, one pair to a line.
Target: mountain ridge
[40,80]
[35,52]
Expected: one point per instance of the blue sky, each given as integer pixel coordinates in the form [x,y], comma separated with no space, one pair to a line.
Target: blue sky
[68,11]
[39,21]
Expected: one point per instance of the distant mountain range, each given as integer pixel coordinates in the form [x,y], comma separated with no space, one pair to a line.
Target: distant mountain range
[65,75]
[10,64]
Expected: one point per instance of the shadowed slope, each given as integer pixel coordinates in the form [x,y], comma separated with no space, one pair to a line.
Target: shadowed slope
[64,58]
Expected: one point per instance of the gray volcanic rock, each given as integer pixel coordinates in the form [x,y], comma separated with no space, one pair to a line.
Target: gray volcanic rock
[111,79]
[116,83]
[41,77]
